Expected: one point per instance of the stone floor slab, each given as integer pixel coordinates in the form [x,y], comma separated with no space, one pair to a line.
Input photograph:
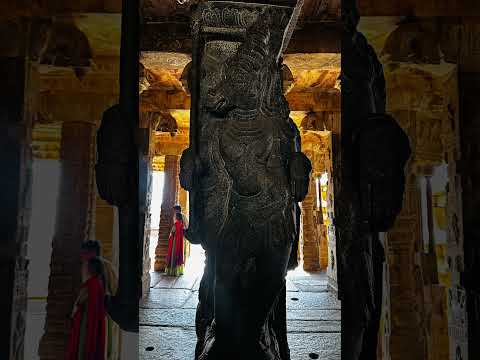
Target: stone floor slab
[291,286]
[313,326]
[163,282]
[186,282]
[313,314]
[167,317]
[166,298]
[321,355]
[192,301]
[306,300]
[160,343]
[303,344]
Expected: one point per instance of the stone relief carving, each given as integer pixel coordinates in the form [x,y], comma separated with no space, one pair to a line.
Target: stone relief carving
[229,17]
[247,174]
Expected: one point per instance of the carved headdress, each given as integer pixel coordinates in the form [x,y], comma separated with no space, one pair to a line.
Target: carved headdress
[252,75]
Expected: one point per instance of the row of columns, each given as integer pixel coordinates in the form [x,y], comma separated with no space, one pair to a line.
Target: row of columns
[81,215]
[19,105]
[316,242]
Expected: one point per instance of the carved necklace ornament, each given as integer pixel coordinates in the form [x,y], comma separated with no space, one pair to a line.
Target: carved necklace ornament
[247,173]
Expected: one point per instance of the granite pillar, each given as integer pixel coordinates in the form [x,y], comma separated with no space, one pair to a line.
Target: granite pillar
[73,226]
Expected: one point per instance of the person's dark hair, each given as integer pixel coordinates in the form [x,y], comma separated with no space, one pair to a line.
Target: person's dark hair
[178,216]
[95,268]
[177,207]
[92,245]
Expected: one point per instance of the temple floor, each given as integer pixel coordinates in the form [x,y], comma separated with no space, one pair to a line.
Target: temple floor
[167,316]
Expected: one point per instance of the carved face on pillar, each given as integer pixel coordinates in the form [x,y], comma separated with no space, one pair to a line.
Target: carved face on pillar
[240,79]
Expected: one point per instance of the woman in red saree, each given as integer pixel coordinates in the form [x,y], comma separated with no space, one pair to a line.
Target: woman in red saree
[87,337]
[175,258]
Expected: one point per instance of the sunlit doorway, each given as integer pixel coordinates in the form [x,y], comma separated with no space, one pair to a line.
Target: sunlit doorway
[194,254]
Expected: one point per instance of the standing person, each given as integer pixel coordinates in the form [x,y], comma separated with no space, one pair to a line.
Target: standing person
[87,337]
[178,209]
[175,255]
[91,249]
[186,246]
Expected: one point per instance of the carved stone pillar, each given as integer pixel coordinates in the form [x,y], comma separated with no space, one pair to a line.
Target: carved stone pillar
[406,279]
[147,261]
[15,182]
[104,233]
[332,262]
[414,247]
[311,236]
[166,212]
[243,211]
[104,227]
[469,83]
[322,224]
[317,147]
[183,201]
[72,228]
[146,124]
[383,349]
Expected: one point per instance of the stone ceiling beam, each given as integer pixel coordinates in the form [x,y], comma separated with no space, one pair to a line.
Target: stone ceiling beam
[173,11]
[419,8]
[55,108]
[176,37]
[54,7]
[314,99]
[311,99]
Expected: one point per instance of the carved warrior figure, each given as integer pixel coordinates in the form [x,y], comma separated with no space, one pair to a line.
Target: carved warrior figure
[369,187]
[248,175]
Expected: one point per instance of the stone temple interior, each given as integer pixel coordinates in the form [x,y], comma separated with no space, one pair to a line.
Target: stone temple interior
[60,65]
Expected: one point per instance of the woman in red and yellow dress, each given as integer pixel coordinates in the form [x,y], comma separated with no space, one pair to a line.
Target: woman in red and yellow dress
[175,254]
[87,337]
